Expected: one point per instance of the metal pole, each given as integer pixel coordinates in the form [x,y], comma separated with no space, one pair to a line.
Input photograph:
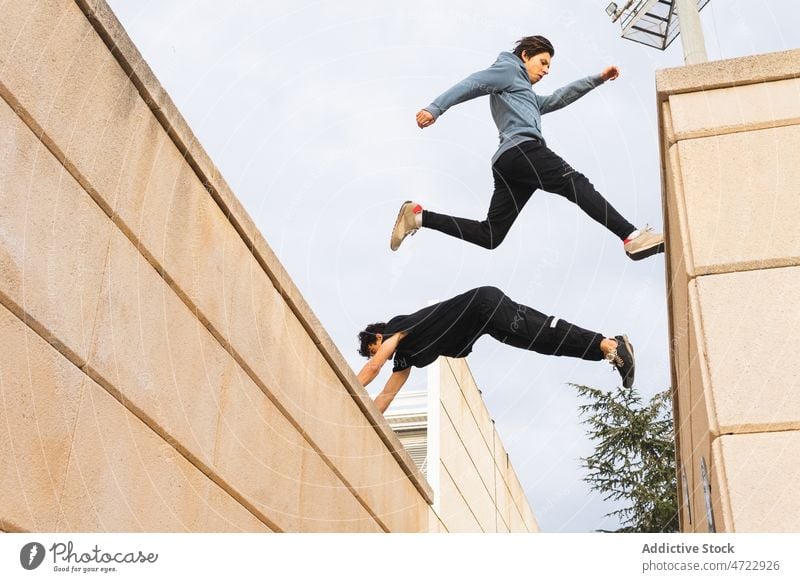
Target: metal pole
[694,48]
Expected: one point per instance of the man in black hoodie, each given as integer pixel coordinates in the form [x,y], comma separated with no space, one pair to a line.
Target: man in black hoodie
[450,328]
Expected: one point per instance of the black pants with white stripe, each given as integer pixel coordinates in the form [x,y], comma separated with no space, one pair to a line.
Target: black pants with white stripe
[523,327]
[518,173]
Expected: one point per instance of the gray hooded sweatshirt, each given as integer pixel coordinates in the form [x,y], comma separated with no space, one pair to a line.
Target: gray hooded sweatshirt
[516,109]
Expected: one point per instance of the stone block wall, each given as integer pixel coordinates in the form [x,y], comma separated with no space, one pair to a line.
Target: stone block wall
[475,486]
[159,371]
[730,137]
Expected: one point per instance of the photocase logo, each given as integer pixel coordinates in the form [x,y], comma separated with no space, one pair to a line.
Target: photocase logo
[32,555]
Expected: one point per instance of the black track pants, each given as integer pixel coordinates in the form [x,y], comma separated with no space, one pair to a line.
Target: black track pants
[523,327]
[517,174]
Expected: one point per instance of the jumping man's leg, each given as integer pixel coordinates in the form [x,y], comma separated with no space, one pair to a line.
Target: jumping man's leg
[524,327]
[507,202]
[551,173]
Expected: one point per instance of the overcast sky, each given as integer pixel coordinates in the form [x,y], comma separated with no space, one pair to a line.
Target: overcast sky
[308,107]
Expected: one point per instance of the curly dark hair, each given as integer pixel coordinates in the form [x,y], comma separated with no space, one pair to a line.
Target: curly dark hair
[367,337]
[533,45]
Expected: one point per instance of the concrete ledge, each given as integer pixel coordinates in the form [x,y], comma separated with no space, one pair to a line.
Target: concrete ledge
[728,73]
[735,109]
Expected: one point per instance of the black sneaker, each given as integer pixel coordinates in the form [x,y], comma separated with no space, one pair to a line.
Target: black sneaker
[622,359]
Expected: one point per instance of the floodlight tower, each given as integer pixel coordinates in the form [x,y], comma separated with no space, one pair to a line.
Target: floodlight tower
[656,23]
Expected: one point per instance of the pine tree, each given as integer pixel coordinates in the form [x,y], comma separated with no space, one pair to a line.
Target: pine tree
[634,457]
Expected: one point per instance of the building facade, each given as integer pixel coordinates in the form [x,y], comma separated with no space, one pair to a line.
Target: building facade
[730,133]
[449,432]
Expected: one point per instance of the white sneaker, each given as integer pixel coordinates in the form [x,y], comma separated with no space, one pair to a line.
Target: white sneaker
[645,244]
[409,220]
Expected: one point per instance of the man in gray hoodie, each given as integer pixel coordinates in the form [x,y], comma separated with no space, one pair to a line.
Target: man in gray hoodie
[523,163]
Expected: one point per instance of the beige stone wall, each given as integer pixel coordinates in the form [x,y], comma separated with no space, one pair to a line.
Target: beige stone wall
[476,488]
[159,371]
[730,137]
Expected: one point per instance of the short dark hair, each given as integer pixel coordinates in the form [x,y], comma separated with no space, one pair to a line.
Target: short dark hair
[367,337]
[533,45]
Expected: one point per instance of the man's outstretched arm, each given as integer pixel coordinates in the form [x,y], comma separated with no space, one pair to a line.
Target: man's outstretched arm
[495,79]
[393,385]
[572,92]
[373,367]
